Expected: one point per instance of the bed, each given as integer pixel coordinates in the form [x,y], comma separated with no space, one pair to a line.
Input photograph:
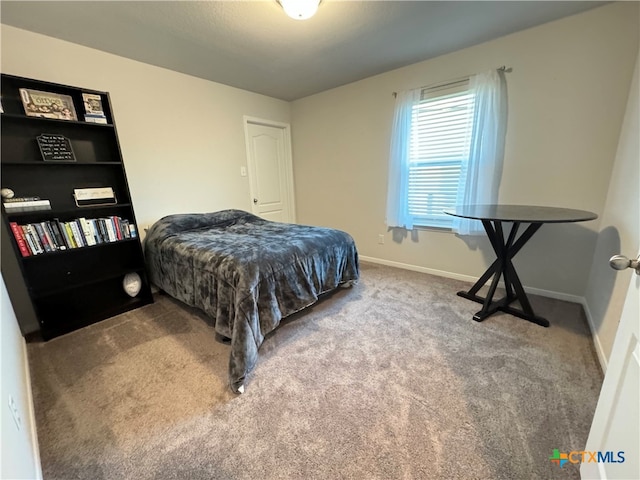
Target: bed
[247,273]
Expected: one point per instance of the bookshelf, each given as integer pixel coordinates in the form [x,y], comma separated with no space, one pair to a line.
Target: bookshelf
[63,282]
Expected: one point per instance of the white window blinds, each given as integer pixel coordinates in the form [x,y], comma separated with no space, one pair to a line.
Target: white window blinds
[441,129]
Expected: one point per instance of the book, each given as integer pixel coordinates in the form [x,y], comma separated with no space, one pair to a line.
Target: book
[86,230]
[93,105]
[69,234]
[57,233]
[115,221]
[29,240]
[77,233]
[20,240]
[95,119]
[26,203]
[47,105]
[26,206]
[102,229]
[49,236]
[35,239]
[43,239]
[125,227]
[94,112]
[94,231]
[110,230]
[20,199]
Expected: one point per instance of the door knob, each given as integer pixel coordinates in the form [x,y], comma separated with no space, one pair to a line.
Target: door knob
[620,262]
[255,200]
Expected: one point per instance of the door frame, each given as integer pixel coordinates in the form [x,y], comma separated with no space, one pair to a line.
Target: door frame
[288,158]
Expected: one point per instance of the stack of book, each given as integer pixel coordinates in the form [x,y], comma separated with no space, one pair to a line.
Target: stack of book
[25,204]
[54,235]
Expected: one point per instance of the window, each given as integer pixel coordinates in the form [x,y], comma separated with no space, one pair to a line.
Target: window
[447,149]
[441,126]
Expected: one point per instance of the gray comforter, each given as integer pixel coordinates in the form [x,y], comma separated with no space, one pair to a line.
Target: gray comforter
[246,273]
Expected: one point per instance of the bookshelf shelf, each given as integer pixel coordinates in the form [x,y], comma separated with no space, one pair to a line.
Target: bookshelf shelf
[69,212]
[58,164]
[51,121]
[60,288]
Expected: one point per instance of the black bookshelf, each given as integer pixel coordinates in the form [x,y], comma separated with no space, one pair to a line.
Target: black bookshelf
[63,289]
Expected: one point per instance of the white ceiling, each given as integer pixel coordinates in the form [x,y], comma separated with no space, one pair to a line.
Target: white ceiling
[253,45]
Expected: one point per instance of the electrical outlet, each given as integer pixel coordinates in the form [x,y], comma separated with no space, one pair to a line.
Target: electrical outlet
[14,413]
[381,239]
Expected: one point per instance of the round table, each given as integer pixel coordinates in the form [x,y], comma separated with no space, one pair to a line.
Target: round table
[493,217]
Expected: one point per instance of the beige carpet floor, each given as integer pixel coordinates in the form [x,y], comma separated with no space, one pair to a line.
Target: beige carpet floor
[390,379]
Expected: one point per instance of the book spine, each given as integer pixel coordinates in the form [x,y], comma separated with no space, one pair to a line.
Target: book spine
[103,229]
[94,231]
[77,235]
[125,228]
[35,238]
[25,235]
[116,227]
[86,231]
[110,230]
[60,240]
[29,239]
[49,235]
[69,232]
[20,240]
[29,206]
[43,239]
[27,203]
[98,227]
[83,237]
[133,230]
[20,199]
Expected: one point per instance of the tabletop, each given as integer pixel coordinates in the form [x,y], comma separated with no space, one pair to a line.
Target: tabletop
[521,213]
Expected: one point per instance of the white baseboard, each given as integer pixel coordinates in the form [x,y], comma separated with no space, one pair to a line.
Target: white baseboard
[416,268]
[467,278]
[534,291]
[602,358]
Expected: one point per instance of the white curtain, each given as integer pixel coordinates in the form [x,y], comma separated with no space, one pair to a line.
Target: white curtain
[480,174]
[397,192]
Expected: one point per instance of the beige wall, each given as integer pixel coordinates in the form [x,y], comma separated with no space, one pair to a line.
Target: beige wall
[567,95]
[182,138]
[619,231]
[18,447]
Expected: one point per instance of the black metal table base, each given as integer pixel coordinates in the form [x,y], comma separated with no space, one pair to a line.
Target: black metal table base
[503,267]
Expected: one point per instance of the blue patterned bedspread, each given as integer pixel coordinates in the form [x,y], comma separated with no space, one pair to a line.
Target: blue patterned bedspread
[247,273]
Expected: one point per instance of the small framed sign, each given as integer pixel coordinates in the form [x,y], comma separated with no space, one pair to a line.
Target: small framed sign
[90,197]
[55,148]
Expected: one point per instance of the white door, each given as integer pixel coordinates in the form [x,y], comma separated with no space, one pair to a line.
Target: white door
[616,424]
[270,169]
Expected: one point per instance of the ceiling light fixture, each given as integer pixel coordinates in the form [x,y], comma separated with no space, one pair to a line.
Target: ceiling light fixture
[300,9]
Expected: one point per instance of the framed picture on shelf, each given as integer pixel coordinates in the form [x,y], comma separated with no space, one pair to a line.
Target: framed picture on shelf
[92,104]
[93,109]
[47,105]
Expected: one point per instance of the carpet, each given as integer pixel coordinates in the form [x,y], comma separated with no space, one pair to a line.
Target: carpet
[390,379]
